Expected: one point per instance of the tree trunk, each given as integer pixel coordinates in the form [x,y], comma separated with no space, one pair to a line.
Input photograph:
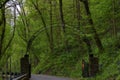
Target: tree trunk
[78,13]
[51,27]
[63,24]
[96,36]
[114,20]
[3,26]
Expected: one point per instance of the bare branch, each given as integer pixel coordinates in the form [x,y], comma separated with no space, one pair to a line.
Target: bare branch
[2,5]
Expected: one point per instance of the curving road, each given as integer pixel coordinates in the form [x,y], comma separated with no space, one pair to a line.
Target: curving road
[45,77]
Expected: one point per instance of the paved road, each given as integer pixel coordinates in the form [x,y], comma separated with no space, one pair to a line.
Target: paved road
[44,77]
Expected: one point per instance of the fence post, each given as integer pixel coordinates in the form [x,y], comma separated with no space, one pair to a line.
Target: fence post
[93,65]
[25,66]
[85,69]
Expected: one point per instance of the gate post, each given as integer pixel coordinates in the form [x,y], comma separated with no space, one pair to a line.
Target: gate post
[93,65]
[85,69]
[25,66]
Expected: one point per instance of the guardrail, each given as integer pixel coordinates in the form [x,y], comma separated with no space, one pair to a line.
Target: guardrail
[20,77]
[10,76]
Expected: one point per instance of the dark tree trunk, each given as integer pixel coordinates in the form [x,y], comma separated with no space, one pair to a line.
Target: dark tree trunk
[114,20]
[61,15]
[63,24]
[96,36]
[88,43]
[3,26]
[51,27]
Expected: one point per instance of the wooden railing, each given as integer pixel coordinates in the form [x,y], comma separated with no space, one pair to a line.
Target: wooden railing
[6,76]
[20,77]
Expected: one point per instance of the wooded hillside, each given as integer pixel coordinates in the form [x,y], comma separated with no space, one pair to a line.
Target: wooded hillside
[59,34]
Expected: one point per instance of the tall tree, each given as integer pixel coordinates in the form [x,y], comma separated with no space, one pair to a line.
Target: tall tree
[51,27]
[63,24]
[113,18]
[3,26]
[4,47]
[96,36]
[36,7]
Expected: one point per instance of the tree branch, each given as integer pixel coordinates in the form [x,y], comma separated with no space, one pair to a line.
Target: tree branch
[2,5]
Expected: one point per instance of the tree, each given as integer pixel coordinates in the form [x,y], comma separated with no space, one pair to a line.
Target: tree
[51,29]
[63,24]
[114,20]
[96,36]
[3,29]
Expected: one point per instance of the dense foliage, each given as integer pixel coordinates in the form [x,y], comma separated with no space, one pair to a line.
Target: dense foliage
[58,34]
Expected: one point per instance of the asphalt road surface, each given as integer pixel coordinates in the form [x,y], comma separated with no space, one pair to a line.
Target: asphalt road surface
[45,77]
